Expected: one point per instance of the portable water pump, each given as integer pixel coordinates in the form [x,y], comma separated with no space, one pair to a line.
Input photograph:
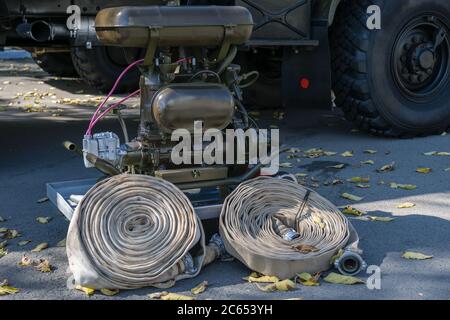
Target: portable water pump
[188,76]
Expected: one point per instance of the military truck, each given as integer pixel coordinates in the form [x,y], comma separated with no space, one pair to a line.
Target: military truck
[385,63]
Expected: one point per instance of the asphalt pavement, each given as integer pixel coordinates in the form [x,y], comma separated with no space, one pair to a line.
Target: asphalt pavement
[33,126]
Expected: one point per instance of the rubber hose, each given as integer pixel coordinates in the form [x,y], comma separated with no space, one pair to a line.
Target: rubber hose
[250,227]
[133,231]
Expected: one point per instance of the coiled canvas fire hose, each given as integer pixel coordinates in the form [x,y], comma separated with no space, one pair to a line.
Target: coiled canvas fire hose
[280,228]
[133,231]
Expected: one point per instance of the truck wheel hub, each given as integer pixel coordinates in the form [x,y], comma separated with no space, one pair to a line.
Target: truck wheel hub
[420,63]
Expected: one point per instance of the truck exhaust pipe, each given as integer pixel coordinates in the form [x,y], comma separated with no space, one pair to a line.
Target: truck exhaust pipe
[42,31]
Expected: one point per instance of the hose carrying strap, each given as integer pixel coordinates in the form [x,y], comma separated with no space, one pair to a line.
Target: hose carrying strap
[280,228]
[133,231]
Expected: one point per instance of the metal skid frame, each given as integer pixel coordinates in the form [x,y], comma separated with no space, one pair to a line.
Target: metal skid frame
[207,202]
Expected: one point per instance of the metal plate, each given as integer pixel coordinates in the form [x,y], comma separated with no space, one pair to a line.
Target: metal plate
[207,203]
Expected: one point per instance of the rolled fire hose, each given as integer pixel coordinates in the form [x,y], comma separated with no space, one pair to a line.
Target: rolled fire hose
[280,228]
[133,231]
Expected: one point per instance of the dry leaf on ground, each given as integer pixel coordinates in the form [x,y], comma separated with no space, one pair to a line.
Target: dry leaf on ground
[341,279]
[347,154]
[5,289]
[285,285]
[24,243]
[338,166]
[9,233]
[403,186]
[352,211]
[44,266]
[87,291]
[387,168]
[256,277]
[351,197]
[109,292]
[43,220]
[381,219]
[169,296]
[25,261]
[3,252]
[200,288]
[40,247]
[308,280]
[423,170]
[415,256]
[406,205]
[359,180]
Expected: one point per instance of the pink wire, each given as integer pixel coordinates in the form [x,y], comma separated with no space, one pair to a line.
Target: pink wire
[94,118]
[104,113]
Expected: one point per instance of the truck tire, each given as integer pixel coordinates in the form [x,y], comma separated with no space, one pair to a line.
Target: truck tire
[99,67]
[57,64]
[393,82]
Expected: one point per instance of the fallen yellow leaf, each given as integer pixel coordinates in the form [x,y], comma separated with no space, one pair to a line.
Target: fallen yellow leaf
[5,290]
[256,277]
[88,291]
[200,288]
[363,186]
[403,186]
[308,280]
[359,180]
[40,247]
[347,154]
[352,211]
[3,252]
[169,296]
[285,285]
[43,220]
[368,162]
[381,219]
[23,243]
[387,168]
[370,151]
[341,279]
[44,266]
[423,170]
[286,165]
[415,256]
[351,197]
[338,166]
[406,205]
[10,233]
[25,261]
[109,292]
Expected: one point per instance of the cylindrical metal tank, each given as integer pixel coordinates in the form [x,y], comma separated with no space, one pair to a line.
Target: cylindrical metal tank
[175,26]
[178,106]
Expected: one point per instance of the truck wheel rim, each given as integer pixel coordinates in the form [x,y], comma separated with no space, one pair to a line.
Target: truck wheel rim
[420,58]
